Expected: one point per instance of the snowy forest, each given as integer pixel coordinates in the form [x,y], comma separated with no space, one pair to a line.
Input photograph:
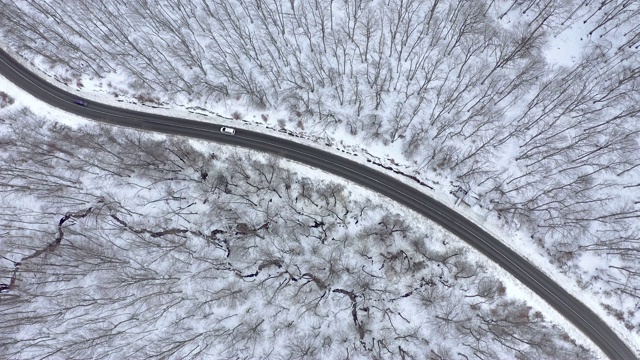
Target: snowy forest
[185,250]
[534,105]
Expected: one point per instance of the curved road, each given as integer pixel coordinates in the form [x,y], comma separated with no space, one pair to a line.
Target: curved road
[570,307]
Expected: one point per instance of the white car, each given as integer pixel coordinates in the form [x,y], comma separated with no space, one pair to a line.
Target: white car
[228,130]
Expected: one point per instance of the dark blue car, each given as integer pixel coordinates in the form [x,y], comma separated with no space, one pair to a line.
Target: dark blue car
[80,102]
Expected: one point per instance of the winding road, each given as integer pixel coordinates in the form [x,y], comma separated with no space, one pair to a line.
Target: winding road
[570,307]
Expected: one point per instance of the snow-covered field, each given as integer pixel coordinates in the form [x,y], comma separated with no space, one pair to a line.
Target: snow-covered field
[533,106]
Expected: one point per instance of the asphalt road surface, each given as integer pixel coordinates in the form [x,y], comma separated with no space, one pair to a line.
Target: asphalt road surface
[570,307]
